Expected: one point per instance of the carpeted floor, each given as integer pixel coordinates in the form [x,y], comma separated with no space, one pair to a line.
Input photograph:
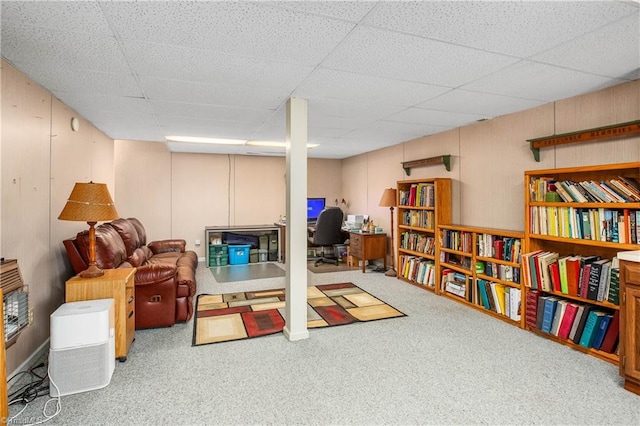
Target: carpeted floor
[324,268]
[236,316]
[249,271]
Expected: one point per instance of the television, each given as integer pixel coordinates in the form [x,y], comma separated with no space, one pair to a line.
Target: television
[314,207]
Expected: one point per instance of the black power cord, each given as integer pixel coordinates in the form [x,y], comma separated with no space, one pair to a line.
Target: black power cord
[36,387]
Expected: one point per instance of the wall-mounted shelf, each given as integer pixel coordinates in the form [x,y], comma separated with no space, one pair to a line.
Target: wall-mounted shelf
[440,159]
[607,132]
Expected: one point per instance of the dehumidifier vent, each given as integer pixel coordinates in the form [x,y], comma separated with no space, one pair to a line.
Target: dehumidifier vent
[76,370]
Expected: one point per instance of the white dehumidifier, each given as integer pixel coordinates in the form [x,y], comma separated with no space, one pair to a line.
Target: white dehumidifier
[82,349]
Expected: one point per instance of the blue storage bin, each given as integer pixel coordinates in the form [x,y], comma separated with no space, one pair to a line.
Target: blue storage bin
[239,254]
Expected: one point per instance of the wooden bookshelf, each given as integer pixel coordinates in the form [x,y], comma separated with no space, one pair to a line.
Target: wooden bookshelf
[556,222]
[423,204]
[480,267]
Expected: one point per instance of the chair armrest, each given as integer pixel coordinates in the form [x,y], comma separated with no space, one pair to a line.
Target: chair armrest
[154,273]
[164,246]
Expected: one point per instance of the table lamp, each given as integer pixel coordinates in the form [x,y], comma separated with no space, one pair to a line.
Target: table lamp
[91,203]
[389,200]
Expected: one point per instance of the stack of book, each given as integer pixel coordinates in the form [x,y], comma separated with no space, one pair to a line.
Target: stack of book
[587,277]
[582,324]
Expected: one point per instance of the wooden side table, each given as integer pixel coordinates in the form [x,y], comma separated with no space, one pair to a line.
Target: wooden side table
[117,284]
[365,246]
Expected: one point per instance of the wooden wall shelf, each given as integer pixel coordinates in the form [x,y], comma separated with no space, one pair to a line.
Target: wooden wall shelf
[440,159]
[607,132]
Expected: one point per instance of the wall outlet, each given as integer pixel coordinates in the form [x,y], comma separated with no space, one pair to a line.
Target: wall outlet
[30,316]
[197,242]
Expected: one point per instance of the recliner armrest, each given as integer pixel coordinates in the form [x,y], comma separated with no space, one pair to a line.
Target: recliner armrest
[154,273]
[164,246]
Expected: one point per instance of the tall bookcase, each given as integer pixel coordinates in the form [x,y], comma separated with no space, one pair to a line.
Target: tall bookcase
[481,268]
[423,204]
[560,230]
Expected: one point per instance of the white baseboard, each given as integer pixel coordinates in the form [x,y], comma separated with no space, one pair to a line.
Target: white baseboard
[29,362]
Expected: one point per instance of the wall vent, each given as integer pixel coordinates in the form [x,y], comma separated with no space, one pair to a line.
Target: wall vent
[15,301]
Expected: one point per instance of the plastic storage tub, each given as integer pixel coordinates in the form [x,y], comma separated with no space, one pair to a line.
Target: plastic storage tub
[218,254]
[239,254]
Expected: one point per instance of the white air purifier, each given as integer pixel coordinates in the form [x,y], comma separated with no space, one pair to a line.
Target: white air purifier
[82,349]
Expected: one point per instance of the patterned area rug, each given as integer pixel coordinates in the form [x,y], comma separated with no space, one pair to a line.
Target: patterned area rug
[235,316]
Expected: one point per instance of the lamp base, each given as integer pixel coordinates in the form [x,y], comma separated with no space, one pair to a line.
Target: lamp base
[91,272]
[391,272]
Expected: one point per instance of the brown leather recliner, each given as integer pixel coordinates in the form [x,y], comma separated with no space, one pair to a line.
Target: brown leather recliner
[165,281]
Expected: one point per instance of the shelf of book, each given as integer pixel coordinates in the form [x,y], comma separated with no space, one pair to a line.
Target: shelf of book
[480,267]
[422,205]
[576,220]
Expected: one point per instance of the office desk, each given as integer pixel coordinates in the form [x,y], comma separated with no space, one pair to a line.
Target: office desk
[366,246]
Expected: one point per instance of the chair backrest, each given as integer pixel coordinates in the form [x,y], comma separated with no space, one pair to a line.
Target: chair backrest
[329,227]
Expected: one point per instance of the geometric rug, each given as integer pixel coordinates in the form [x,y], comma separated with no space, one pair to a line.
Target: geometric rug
[243,315]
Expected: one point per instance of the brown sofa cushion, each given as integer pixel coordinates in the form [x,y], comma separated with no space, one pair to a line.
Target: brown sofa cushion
[128,233]
[110,250]
[138,258]
[142,233]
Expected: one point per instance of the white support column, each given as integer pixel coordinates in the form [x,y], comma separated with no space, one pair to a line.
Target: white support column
[296,267]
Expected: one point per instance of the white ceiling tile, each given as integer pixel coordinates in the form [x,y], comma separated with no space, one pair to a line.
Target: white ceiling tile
[58,79]
[609,51]
[212,112]
[211,94]
[406,57]
[350,110]
[518,28]
[444,119]
[78,16]
[480,104]
[539,82]
[207,66]
[205,128]
[241,28]
[123,125]
[410,129]
[55,48]
[352,11]
[364,88]
[102,103]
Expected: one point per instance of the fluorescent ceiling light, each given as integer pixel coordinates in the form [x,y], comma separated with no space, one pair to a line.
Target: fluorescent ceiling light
[196,139]
[276,144]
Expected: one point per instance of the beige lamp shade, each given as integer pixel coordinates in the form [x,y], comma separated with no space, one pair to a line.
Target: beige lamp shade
[89,202]
[388,198]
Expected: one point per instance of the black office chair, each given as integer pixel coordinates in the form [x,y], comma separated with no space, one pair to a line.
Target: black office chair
[327,232]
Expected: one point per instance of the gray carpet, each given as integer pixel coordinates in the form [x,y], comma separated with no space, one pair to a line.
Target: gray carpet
[249,271]
[441,364]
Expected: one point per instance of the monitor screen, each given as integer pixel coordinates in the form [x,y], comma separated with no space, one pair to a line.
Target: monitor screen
[314,207]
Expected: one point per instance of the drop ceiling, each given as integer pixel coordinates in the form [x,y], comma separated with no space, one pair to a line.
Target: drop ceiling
[375,74]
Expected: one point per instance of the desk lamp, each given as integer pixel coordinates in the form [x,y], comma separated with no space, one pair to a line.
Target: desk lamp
[389,200]
[91,203]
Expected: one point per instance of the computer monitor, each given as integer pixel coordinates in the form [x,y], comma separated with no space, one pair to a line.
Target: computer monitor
[314,207]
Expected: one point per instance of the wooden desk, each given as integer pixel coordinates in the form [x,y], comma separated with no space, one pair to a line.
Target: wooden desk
[116,284]
[368,247]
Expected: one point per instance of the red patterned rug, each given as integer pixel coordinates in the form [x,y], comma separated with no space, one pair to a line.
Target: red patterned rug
[235,316]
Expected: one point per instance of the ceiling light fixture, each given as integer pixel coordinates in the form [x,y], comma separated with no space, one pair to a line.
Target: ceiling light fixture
[197,139]
[276,144]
